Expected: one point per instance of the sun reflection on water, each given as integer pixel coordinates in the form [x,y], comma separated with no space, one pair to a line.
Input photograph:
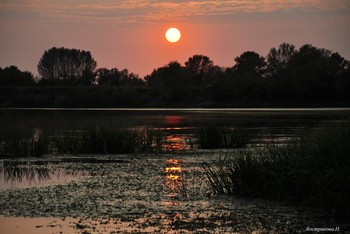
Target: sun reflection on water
[174,179]
[173,120]
[176,142]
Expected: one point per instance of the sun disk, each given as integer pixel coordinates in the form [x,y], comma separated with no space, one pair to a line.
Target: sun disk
[173,35]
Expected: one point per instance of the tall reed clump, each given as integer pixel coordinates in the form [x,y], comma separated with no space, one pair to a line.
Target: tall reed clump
[220,137]
[150,140]
[67,142]
[108,141]
[105,141]
[312,171]
[24,145]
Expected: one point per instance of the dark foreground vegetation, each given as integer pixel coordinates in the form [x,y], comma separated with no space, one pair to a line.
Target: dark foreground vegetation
[91,141]
[285,77]
[97,140]
[313,171]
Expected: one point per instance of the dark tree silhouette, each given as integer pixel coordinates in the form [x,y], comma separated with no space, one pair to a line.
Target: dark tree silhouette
[13,76]
[173,74]
[214,75]
[68,65]
[246,75]
[249,64]
[313,73]
[106,76]
[114,77]
[171,81]
[199,66]
[287,77]
[130,79]
[277,59]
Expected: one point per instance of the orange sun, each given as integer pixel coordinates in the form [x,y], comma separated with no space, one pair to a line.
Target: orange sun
[173,35]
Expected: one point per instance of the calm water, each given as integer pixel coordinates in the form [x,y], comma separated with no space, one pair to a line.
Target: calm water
[177,125]
[29,173]
[151,191]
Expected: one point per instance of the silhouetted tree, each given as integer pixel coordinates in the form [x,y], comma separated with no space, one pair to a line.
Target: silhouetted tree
[86,78]
[249,64]
[70,66]
[171,81]
[287,76]
[130,79]
[13,76]
[247,75]
[313,73]
[114,77]
[214,75]
[342,71]
[107,76]
[199,66]
[277,59]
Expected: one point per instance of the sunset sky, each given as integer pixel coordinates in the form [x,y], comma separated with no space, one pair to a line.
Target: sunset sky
[131,34]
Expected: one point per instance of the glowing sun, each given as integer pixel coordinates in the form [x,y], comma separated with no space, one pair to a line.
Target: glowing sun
[173,35]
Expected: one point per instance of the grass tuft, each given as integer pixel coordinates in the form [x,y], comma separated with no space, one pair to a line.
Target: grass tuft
[312,171]
[24,145]
[106,141]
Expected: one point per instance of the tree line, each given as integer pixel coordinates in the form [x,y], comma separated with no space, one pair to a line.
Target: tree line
[285,75]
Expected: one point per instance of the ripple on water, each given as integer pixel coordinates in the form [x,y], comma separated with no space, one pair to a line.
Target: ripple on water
[25,174]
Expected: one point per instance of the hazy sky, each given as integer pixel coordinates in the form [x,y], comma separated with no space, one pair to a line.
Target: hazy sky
[130,34]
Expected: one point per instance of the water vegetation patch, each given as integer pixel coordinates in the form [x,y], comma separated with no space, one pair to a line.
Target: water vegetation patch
[93,140]
[101,140]
[24,145]
[155,193]
[309,171]
[106,141]
[222,137]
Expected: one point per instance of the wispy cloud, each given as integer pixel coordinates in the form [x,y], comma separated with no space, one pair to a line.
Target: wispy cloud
[132,11]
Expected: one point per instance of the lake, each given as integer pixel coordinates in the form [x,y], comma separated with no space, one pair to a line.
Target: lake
[176,125]
[149,192]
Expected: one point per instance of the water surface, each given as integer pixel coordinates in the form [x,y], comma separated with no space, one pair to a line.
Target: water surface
[177,125]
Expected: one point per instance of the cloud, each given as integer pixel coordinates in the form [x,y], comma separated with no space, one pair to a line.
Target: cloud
[136,11]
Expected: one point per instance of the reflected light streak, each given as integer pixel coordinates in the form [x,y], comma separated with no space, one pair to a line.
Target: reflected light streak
[173,177]
[176,143]
[173,169]
[172,120]
[172,161]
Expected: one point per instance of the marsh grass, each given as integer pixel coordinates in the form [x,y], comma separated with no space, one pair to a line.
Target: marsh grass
[150,140]
[104,141]
[310,171]
[93,140]
[66,142]
[24,145]
[17,171]
[108,141]
[220,137]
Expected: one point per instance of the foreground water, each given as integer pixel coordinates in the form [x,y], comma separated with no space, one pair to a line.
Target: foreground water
[140,193]
[147,192]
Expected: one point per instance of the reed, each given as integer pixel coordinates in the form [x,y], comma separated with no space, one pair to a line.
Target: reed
[106,141]
[311,171]
[66,142]
[150,140]
[24,145]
